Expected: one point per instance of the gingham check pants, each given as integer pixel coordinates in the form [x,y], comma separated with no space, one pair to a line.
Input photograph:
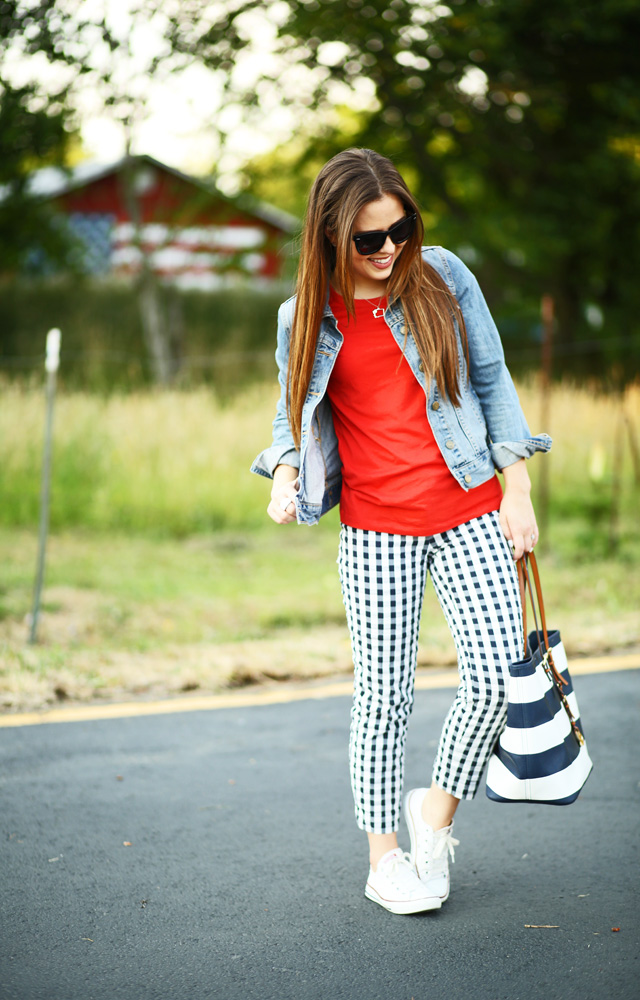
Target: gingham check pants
[383,577]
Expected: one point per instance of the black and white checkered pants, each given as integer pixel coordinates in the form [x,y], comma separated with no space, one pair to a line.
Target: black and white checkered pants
[383,578]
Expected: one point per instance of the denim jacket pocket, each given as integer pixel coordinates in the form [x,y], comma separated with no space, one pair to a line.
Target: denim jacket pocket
[475,432]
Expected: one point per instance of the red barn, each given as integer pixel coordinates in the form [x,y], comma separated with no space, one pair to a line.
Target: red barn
[140,211]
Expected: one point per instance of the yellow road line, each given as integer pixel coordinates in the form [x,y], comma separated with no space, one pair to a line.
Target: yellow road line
[427,680]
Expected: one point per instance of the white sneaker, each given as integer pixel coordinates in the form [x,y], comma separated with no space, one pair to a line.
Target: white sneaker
[396,886]
[430,849]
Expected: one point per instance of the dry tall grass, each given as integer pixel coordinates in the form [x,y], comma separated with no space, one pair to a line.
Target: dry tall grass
[584,424]
[169,461]
[177,462]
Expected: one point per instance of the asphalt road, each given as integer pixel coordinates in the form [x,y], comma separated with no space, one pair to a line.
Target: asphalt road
[214,854]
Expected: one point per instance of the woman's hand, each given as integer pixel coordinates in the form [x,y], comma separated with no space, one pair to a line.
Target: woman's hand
[282,509]
[517,517]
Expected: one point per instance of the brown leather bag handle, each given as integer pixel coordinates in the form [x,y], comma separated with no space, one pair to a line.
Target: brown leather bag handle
[529,558]
[536,579]
[523,572]
[523,603]
[525,580]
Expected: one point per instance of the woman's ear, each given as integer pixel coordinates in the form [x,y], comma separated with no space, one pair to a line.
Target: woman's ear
[330,236]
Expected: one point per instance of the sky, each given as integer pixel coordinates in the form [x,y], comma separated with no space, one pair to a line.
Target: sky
[178,125]
[182,115]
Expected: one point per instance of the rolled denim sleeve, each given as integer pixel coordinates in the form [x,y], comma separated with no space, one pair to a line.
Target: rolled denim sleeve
[282,450]
[509,436]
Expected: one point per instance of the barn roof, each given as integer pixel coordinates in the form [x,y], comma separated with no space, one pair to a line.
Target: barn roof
[54,182]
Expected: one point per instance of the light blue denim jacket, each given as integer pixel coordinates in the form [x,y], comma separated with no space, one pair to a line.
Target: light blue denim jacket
[487,430]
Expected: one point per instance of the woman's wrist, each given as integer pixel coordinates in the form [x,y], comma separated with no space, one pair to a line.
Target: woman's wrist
[283,474]
[516,477]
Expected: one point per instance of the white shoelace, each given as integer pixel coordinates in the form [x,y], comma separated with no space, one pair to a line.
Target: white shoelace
[446,842]
[399,870]
[436,861]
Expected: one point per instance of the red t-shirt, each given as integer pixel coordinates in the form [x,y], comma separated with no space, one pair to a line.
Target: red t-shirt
[394,478]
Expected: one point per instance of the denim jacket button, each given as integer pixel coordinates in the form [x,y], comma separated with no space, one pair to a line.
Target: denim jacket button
[421,367]
[436,405]
[467,478]
[449,444]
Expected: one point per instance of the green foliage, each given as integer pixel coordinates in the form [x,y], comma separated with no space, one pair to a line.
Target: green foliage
[284,176]
[29,138]
[516,121]
[36,130]
[84,47]
[229,337]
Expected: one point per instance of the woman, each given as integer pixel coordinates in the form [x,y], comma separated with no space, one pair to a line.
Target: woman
[396,402]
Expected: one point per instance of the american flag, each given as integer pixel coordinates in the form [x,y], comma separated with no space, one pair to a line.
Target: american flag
[193,257]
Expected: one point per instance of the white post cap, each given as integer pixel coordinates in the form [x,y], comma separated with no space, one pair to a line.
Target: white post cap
[53,351]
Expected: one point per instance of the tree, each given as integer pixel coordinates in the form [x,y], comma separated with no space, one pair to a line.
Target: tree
[516,121]
[35,130]
[86,51]
[284,176]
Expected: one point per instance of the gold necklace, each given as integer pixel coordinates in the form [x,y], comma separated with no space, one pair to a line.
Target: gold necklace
[378,311]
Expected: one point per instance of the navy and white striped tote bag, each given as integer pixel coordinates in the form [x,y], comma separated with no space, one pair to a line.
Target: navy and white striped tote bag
[541,755]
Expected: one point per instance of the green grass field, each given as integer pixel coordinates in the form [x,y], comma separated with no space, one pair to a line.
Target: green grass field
[174,464]
[164,573]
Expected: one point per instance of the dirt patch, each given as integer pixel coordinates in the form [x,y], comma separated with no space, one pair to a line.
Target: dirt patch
[34,678]
[90,650]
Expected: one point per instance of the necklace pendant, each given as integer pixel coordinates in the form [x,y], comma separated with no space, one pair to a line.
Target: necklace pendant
[378,312]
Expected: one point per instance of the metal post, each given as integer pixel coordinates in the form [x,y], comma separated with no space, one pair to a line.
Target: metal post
[616,483]
[547,312]
[633,446]
[51,366]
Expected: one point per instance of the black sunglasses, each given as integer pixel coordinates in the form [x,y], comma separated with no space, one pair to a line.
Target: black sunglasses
[368,243]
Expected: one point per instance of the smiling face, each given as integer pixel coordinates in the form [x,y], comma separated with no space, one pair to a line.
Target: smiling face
[370,274]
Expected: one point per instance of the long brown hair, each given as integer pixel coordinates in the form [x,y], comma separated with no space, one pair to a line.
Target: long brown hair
[347,183]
